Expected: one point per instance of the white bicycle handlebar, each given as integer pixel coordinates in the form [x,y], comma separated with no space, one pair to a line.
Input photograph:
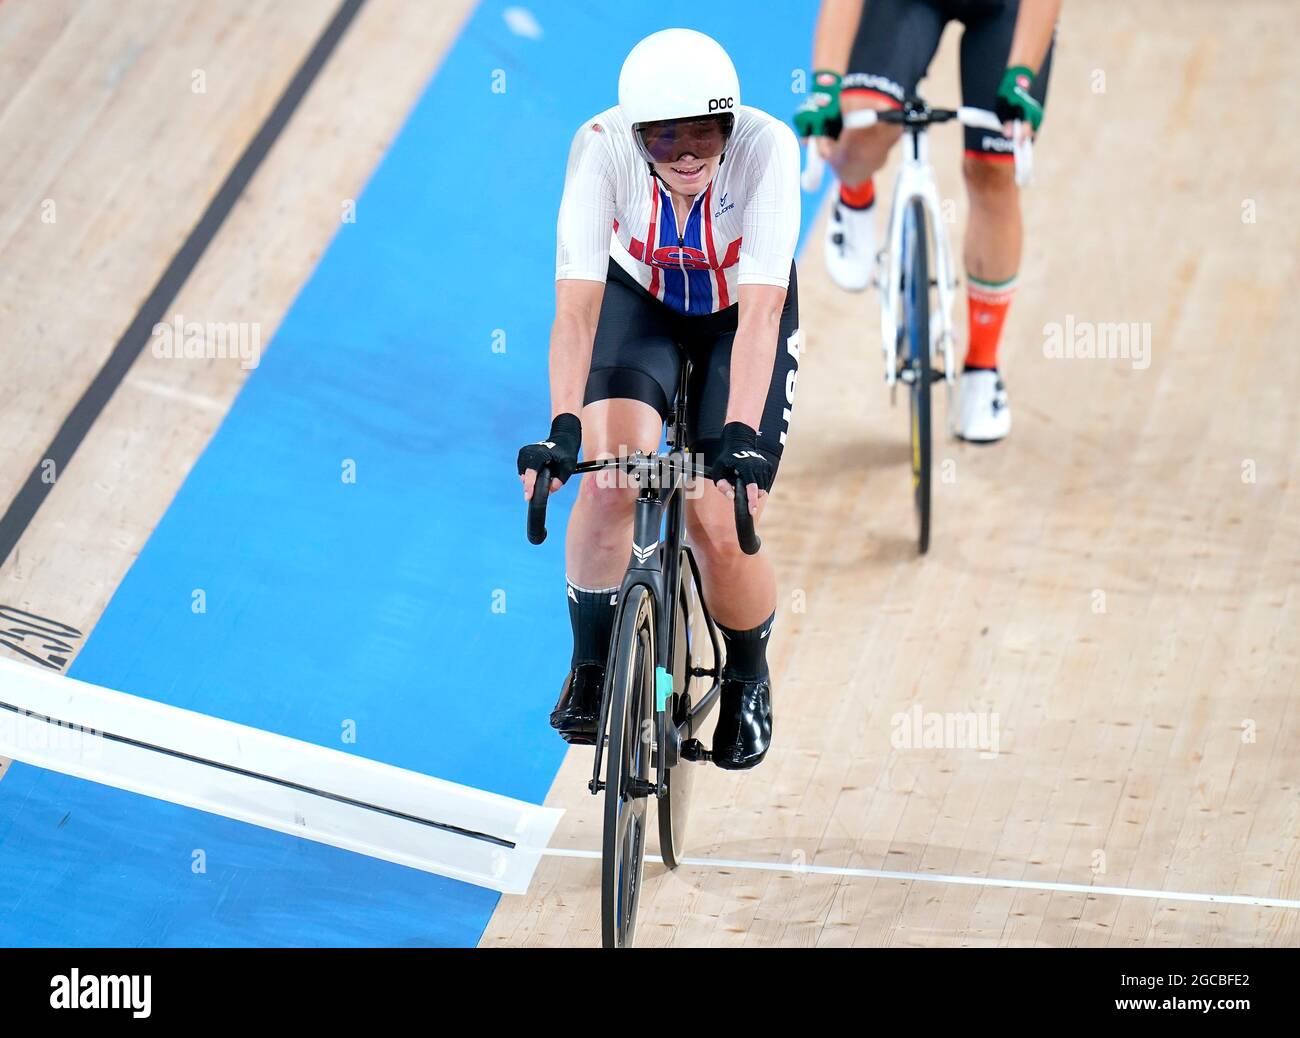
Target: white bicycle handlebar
[978,118]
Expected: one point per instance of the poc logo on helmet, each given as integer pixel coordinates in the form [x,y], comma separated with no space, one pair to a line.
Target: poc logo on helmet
[717,104]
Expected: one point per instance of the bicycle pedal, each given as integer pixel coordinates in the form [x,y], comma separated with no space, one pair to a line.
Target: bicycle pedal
[693,750]
[704,672]
[595,786]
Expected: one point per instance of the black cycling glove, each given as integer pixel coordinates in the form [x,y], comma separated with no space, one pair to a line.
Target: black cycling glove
[558,452]
[739,456]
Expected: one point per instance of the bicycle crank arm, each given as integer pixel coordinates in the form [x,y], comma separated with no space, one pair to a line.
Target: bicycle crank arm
[910,376]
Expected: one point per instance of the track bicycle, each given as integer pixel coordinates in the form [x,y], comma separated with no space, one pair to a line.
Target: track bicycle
[664,646]
[916,331]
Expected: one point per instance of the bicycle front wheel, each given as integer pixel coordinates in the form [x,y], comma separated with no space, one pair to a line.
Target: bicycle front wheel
[916,317]
[627,768]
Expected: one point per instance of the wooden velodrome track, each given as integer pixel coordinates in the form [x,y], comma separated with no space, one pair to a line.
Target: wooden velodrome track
[1115,587]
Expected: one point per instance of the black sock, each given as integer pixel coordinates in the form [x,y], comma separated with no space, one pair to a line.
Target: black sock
[592,615]
[746,651]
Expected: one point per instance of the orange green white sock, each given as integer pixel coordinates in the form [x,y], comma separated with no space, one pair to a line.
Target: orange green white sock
[860,196]
[988,302]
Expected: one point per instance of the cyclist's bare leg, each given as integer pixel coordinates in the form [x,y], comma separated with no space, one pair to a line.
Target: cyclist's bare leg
[859,154]
[740,589]
[850,230]
[993,232]
[992,255]
[600,526]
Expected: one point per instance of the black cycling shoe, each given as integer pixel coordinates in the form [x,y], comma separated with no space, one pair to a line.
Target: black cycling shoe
[744,729]
[578,710]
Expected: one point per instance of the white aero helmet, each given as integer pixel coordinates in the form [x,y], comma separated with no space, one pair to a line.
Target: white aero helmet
[679,90]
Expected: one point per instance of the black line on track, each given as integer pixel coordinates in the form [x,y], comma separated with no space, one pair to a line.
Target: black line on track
[234,769]
[18,516]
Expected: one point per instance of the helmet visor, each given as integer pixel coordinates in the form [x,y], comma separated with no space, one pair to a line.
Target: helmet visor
[704,137]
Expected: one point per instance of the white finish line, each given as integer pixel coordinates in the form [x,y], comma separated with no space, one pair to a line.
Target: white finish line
[970,881]
[279,783]
[350,802]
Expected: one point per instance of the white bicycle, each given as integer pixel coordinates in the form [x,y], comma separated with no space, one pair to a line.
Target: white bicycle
[914,334]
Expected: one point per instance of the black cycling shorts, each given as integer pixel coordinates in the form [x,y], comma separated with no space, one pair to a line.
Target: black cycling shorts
[897,39]
[638,352]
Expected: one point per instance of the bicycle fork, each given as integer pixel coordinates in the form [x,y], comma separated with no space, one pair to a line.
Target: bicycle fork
[916,180]
[646,569]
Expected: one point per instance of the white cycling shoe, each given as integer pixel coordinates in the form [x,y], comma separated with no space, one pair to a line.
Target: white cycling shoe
[851,246]
[983,414]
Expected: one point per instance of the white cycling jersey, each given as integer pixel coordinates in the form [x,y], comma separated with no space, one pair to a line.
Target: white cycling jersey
[741,230]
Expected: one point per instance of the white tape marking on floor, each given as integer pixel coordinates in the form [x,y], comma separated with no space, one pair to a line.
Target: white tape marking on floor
[174,393]
[974,881]
[270,780]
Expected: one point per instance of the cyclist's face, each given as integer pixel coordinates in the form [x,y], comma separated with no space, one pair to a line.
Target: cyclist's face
[688,175]
[686,152]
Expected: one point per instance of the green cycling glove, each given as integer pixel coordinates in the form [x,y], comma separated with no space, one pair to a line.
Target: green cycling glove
[819,115]
[1014,98]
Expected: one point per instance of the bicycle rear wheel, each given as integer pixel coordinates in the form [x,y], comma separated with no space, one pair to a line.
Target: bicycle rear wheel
[627,768]
[916,320]
[688,651]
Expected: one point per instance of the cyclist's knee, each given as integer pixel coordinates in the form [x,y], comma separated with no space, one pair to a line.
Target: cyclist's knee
[615,428]
[989,179]
[711,525]
[606,494]
[864,151]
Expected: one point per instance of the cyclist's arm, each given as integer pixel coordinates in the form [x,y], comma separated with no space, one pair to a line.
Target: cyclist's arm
[771,231]
[1035,22]
[583,231]
[753,352]
[577,309]
[837,26]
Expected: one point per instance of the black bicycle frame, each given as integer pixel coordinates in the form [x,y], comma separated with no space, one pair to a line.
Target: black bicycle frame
[655,564]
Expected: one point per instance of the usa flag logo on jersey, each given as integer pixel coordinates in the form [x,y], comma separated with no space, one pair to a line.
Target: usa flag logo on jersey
[686,269]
